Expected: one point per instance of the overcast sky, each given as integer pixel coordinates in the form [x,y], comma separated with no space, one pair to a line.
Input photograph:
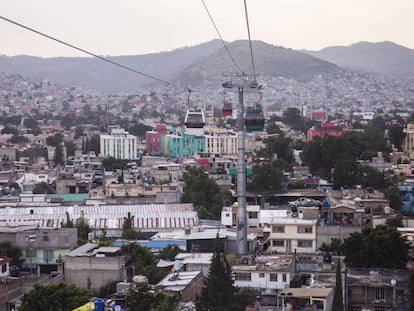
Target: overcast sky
[126,27]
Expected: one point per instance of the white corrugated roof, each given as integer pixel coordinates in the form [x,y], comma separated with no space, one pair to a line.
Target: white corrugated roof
[152,216]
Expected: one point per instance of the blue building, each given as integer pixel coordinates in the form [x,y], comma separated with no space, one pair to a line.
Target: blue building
[407,198]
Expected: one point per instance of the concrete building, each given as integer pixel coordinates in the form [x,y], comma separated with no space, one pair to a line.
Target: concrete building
[119,144]
[291,233]
[92,268]
[408,144]
[43,248]
[182,146]
[187,285]
[267,274]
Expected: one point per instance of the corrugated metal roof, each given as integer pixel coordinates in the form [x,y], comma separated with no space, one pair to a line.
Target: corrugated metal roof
[146,216]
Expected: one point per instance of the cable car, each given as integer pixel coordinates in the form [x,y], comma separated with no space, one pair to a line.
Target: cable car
[227,109]
[195,121]
[254,118]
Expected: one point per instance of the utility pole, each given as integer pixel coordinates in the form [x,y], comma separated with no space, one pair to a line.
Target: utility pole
[241,215]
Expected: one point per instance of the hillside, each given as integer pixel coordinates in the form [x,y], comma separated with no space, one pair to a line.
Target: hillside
[187,66]
[96,74]
[270,61]
[382,57]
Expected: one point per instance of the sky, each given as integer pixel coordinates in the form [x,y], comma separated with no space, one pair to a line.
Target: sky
[130,27]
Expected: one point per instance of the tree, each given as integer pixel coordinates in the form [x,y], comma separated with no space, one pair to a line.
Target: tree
[169,252]
[54,140]
[372,248]
[143,261]
[112,164]
[208,198]
[267,176]
[10,130]
[338,300]
[7,249]
[40,188]
[141,298]
[95,144]
[279,145]
[54,296]
[17,139]
[83,231]
[128,232]
[393,195]
[218,292]
[58,157]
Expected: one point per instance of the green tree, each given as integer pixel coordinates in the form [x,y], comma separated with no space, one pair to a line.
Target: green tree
[17,139]
[338,301]
[128,232]
[141,298]
[10,130]
[267,176]
[208,198]
[40,188]
[372,248]
[58,157]
[83,231]
[54,140]
[54,296]
[112,164]
[95,144]
[218,292]
[169,252]
[279,145]
[7,249]
[393,195]
[143,261]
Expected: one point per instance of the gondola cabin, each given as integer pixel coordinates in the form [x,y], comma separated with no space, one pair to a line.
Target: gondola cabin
[227,109]
[195,121]
[254,118]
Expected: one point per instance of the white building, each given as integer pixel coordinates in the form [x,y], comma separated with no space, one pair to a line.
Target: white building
[269,274]
[119,144]
[289,234]
[221,143]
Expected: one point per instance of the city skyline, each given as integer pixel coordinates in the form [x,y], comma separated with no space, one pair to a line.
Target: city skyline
[143,27]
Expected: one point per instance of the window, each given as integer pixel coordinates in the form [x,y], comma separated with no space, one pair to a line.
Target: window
[273,277]
[304,229]
[253,215]
[278,243]
[48,256]
[3,268]
[261,275]
[284,277]
[31,253]
[45,237]
[380,293]
[278,229]
[305,243]
[242,277]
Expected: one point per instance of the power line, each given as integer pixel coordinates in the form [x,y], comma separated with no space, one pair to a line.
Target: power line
[90,53]
[250,41]
[221,38]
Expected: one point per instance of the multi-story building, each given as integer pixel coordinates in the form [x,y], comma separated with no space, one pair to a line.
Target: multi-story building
[43,247]
[92,268]
[182,146]
[119,144]
[267,274]
[408,145]
[291,234]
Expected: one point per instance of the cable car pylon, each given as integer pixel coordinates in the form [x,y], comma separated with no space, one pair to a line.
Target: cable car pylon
[241,215]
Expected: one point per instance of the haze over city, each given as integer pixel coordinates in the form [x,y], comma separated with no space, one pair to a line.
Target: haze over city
[149,26]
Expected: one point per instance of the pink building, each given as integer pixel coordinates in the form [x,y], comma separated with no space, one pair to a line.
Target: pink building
[153,139]
[327,128]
